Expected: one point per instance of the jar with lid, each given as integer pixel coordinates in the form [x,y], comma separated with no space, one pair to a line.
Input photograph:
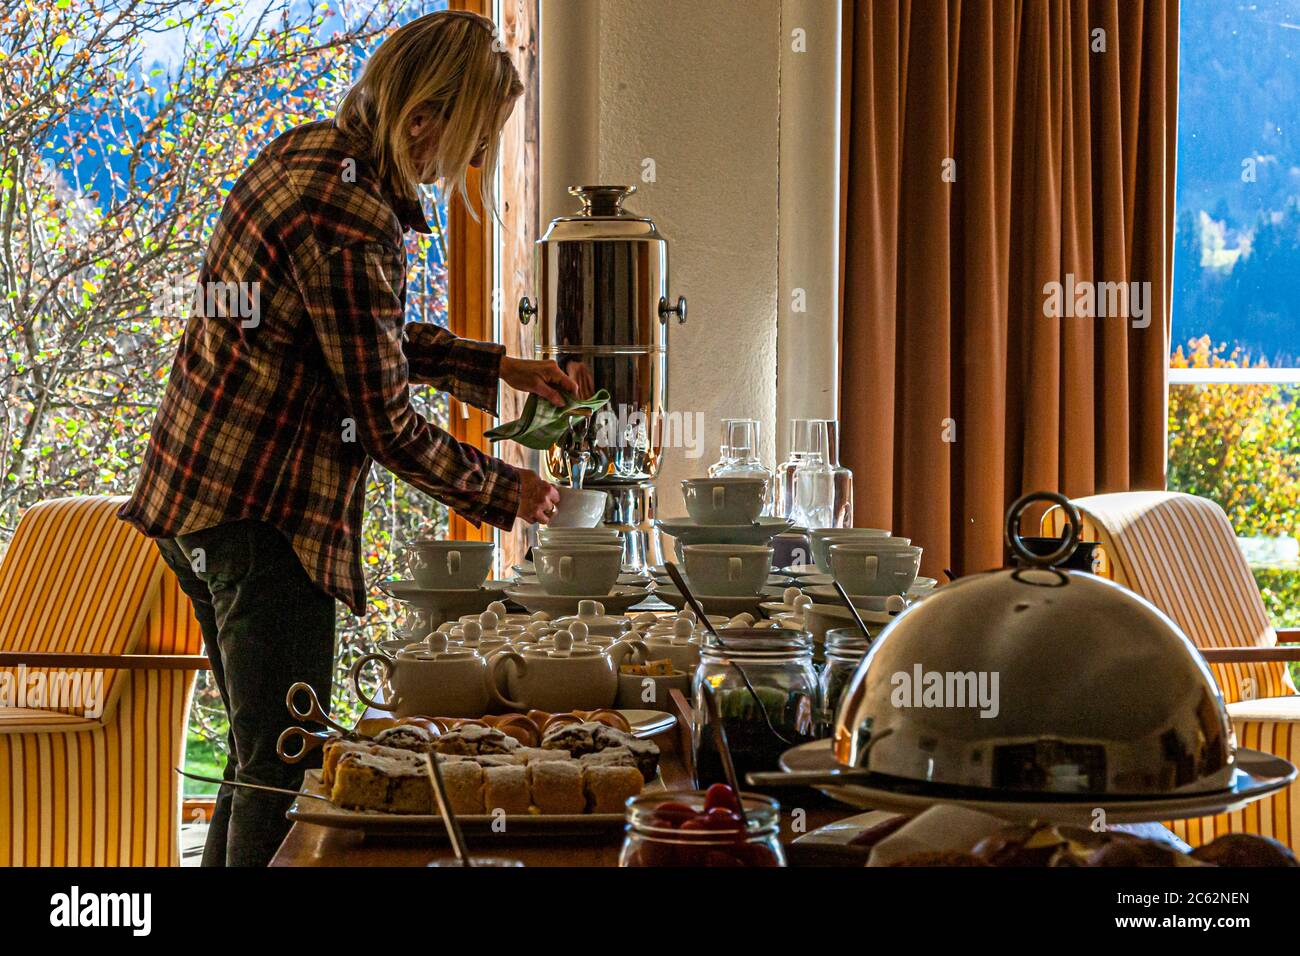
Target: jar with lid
[766,690]
[658,832]
[844,649]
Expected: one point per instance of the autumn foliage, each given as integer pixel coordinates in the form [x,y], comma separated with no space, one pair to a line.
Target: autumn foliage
[1239,445]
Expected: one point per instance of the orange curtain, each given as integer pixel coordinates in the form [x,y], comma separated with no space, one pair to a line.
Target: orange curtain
[992,148]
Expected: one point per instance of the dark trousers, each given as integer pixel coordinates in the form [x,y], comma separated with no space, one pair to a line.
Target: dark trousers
[265,626]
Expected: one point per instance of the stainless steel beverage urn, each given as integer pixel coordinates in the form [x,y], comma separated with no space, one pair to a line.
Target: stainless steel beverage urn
[603,313]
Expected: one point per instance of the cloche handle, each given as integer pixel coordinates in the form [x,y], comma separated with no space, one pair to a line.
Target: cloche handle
[1017,546]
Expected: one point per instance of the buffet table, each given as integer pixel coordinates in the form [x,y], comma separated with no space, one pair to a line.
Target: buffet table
[313,845]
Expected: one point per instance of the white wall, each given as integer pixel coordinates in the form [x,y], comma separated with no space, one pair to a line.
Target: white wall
[697,86]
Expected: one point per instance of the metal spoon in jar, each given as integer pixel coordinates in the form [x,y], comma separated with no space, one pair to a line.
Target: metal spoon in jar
[848,603]
[448,815]
[724,748]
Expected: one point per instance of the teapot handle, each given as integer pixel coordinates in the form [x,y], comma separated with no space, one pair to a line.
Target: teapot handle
[495,662]
[620,651]
[355,675]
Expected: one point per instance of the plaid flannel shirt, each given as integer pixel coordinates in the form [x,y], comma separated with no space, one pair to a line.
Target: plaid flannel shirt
[294,370]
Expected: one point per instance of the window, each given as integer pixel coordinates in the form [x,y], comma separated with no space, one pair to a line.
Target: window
[1234,392]
[121,146]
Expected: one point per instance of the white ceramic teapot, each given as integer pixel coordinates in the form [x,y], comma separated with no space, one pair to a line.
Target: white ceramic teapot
[561,675]
[681,646]
[432,681]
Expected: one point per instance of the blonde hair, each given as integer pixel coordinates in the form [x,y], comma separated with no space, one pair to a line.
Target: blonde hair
[450,64]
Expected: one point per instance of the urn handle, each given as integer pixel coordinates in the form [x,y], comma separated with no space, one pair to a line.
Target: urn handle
[678,310]
[527,310]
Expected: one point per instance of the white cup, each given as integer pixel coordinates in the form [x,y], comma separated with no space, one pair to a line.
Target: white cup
[822,538]
[727,569]
[582,569]
[875,568]
[450,565]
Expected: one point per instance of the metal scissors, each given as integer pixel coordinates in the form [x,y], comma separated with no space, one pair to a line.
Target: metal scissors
[313,713]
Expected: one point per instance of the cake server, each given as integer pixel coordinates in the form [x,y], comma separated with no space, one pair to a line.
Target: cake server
[284,791]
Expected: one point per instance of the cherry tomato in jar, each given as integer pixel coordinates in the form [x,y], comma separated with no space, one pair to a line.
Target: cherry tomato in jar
[673,814]
[722,818]
[720,795]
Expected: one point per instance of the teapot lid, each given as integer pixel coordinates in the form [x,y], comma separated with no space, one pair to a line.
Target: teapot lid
[561,646]
[435,648]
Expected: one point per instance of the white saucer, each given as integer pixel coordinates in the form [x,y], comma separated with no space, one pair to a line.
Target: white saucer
[799,570]
[443,603]
[535,599]
[826,594]
[728,604]
[773,580]
[687,531]
[627,580]
[1257,775]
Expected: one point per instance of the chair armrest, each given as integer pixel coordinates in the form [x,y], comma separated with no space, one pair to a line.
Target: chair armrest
[1251,655]
[1288,635]
[116,662]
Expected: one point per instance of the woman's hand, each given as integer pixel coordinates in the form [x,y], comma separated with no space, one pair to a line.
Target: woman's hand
[537,498]
[541,377]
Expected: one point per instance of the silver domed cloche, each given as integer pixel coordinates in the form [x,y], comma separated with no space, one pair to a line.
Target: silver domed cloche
[1037,681]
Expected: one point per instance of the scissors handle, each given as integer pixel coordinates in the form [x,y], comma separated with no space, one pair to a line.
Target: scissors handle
[307,742]
[314,712]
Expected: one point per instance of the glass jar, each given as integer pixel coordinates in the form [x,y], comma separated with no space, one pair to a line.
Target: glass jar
[655,837]
[778,665]
[845,648]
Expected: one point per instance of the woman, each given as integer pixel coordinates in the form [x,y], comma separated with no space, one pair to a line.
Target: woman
[254,478]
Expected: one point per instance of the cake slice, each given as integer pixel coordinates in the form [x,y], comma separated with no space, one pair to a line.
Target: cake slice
[608,788]
[557,786]
[533,755]
[463,781]
[371,781]
[506,788]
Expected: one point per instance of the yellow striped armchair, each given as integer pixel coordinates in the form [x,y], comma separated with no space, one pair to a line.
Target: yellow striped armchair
[98,653]
[1180,553]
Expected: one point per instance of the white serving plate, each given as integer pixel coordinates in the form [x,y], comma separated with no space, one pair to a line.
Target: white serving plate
[643,724]
[323,813]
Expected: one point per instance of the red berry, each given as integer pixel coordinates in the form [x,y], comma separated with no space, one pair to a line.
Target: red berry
[672,814]
[720,795]
[721,818]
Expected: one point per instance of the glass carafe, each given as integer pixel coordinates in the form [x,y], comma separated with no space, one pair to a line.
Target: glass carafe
[740,437]
[814,483]
[800,444]
[842,503]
